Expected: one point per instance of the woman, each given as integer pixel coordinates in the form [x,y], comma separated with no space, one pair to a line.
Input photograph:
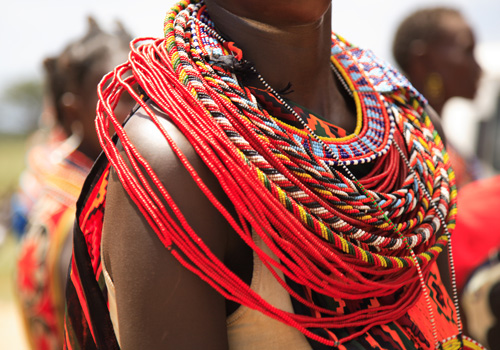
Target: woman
[435,48]
[57,168]
[236,220]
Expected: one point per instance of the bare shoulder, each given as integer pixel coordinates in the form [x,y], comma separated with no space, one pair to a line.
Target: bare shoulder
[150,142]
[159,301]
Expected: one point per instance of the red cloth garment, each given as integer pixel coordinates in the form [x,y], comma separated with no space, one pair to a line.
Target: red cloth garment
[477,233]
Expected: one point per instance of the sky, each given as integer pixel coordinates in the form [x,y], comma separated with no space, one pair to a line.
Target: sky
[31,30]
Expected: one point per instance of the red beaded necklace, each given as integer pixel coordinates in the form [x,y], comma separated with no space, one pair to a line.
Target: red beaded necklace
[339,236]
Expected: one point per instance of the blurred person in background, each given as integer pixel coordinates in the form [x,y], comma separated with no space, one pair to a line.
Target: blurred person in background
[57,166]
[435,49]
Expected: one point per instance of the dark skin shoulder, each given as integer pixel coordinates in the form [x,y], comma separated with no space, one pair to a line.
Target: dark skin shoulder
[161,303]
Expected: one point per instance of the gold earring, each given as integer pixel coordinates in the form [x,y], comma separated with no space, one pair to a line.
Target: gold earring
[434,86]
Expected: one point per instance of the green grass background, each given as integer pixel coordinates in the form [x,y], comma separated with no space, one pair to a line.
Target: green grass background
[12,162]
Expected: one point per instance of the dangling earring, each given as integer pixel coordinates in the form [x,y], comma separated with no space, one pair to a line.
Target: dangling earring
[434,87]
[75,138]
[69,145]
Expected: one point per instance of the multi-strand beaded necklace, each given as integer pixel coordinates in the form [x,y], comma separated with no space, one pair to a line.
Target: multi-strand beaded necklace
[337,235]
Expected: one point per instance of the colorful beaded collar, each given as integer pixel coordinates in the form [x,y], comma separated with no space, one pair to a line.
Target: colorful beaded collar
[375,124]
[222,102]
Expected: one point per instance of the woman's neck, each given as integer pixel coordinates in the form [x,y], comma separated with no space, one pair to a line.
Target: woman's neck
[296,55]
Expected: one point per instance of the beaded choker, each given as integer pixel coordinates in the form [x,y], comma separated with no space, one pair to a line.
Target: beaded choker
[375,238]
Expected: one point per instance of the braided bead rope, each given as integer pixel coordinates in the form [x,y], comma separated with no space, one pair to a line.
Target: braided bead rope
[320,177]
[326,233]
